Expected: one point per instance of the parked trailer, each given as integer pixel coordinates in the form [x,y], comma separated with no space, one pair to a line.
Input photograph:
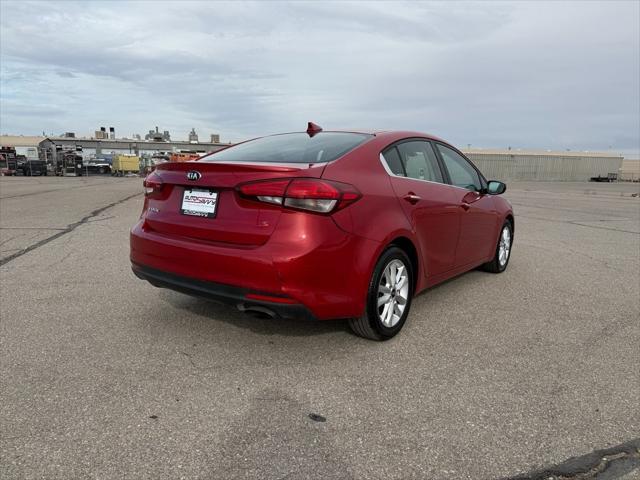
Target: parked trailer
[34,167]
[125,163]
[184,156]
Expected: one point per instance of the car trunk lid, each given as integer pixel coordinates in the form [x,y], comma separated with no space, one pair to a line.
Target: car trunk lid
[238,221]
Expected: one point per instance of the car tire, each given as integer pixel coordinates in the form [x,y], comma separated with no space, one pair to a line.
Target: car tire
[381,321]
[501,257]
[102,170]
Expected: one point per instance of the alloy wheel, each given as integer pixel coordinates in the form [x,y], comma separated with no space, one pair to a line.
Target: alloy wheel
[393,292]
[505,246]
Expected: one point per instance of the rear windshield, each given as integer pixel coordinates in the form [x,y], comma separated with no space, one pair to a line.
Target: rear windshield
[291,148]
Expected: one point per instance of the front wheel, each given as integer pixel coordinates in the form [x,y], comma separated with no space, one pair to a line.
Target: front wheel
[388,297]
[503,250]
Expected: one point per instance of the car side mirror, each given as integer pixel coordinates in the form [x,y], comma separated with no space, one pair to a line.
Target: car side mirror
[495,187]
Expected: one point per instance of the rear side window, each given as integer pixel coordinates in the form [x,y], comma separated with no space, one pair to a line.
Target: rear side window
[393,161]
[461,172]
[291,148]
[419,161]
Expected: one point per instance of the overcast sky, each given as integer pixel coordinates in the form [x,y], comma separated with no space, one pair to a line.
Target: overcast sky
[527,75]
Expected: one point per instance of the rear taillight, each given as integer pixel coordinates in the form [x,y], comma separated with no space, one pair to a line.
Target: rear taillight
[270,191]
[316,195]
[152,184]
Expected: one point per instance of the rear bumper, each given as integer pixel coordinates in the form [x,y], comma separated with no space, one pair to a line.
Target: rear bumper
[223,293]
[320,270]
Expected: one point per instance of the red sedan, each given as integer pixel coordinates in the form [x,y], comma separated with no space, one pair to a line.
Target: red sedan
[322,225]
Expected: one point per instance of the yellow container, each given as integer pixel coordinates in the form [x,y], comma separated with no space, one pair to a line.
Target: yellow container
[126,163]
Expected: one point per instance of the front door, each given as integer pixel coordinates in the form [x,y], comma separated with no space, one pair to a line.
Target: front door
[478,216]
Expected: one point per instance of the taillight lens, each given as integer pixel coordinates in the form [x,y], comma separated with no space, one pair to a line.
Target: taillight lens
[311,194]
[321,196]
[152,184]
[270,191]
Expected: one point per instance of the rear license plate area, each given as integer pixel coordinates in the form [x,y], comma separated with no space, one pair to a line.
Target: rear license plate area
[199,202]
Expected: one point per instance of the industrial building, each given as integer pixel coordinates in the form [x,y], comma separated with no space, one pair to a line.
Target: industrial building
[97,147]
[26,145]
[45,147]
[630,171]
[535,165]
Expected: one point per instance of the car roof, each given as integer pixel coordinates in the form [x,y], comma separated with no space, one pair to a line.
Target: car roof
[379,133]
[391,134]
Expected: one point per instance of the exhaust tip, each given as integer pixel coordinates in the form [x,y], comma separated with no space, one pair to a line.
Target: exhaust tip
[256,310]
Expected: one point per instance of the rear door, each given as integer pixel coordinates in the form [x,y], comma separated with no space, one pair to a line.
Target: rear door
[478,216]
[428,203]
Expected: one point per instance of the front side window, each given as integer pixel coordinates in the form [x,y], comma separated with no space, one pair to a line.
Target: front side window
[419,161]
[461,172]
[291,148]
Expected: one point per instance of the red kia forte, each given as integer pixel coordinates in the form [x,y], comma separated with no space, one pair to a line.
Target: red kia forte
[322,225]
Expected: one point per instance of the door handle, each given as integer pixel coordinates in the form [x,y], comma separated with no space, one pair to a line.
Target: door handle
[465,206]
[412,198]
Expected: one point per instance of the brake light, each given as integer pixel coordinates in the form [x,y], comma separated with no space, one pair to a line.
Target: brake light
[152,184]
[270,191]
[316,195]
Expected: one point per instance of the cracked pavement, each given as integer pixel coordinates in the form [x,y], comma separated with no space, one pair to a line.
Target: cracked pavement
[494,376]
[617,462]
[44,208]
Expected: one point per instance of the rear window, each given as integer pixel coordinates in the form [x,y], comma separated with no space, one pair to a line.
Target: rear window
[291,148]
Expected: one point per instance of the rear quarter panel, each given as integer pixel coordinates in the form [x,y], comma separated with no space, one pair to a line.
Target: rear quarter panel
[378,215]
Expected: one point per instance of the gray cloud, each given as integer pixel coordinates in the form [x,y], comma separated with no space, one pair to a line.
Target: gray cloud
[545,75]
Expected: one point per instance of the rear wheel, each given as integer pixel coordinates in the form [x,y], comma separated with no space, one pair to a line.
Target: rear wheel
[503,250]
[388,297]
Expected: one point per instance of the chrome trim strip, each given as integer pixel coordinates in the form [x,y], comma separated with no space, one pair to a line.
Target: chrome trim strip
[391,174]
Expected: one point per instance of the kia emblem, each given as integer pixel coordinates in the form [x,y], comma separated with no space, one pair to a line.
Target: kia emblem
[193,175]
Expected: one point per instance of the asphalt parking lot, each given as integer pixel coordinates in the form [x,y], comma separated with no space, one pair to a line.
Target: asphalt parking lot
[494,376]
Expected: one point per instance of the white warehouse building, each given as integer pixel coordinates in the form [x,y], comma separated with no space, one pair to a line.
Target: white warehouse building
[542,165]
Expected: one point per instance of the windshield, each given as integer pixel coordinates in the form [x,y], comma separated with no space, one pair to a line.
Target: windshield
[291,148]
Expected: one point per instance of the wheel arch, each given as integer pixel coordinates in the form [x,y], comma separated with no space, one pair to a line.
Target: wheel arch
[407,246]
[512,220]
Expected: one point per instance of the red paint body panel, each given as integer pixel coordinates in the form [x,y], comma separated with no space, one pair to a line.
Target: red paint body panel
[323,262]
[479,223]
[435,219]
